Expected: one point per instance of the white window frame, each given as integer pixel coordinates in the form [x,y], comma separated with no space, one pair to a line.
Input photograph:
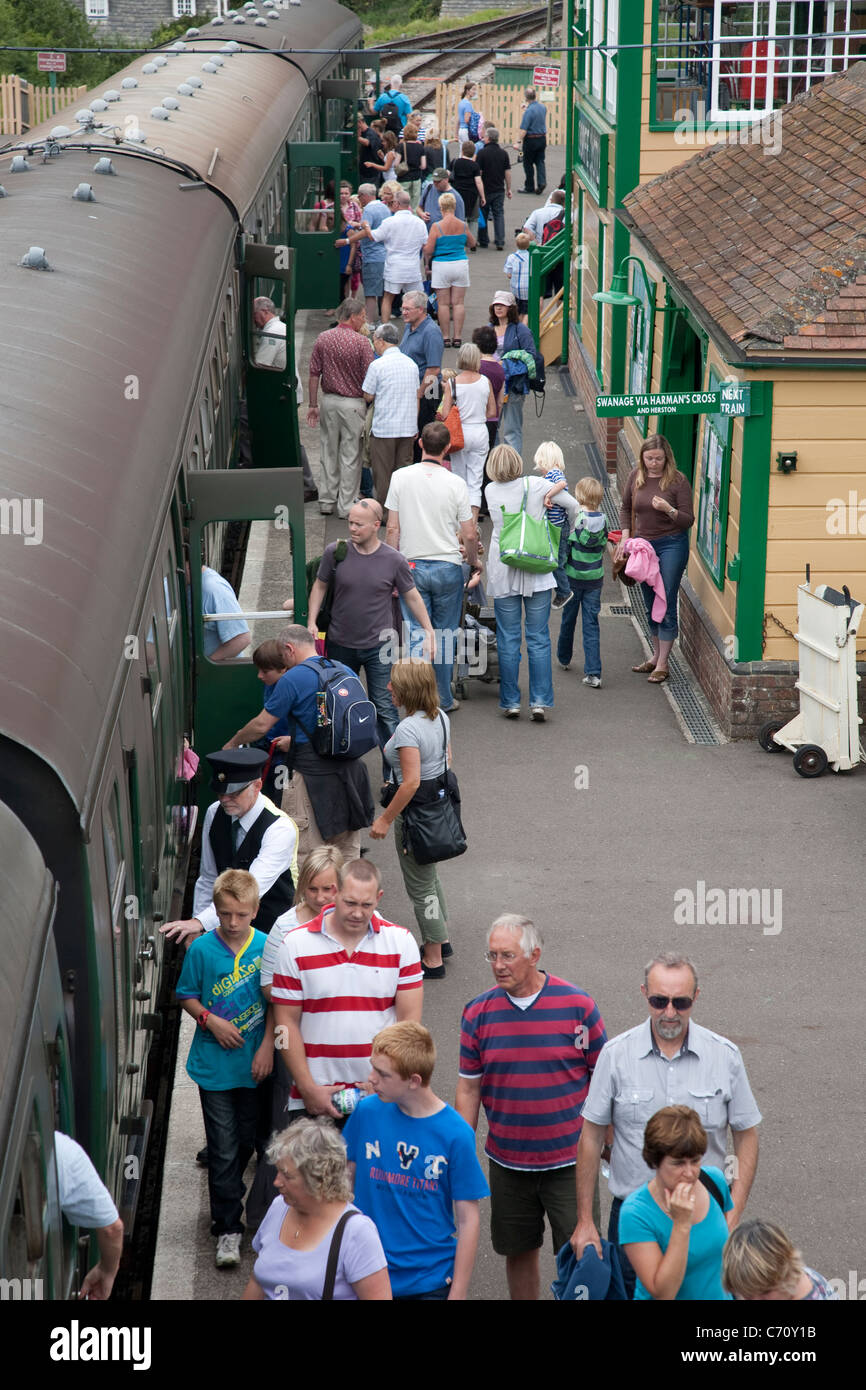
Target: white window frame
[778,67]
[183,9]
[612,26]
[96,9]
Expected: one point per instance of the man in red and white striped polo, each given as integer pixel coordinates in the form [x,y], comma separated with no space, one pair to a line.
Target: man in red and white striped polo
[337,982]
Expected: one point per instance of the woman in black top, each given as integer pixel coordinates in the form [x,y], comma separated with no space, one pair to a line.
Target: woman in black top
[434,155]
[466,179]
[411,151]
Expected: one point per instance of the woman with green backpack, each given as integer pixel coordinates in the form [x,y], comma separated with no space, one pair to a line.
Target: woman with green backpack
[524,551]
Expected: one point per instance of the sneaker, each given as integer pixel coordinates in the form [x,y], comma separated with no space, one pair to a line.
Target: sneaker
[432,972]
[537,713]
[594,681]
[452,708]
[513,712]
[560,600]
[228,1251]
[562,666]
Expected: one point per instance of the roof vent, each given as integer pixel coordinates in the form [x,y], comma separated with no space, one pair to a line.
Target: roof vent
[209,67]
[150,69]
[104,166]
[238,19]
[171,103]
[35,259]
[217,60]
[100,104]
[159,113]
[179,47]
[59,132]
[128,83]
[231,48]
[3,193]
[192,33]
[84,194]
[160,60]
[19,165]
[269,5]
[185,90]
[194,82]
[111,95]
[230,14]
[261,22]
[84,117]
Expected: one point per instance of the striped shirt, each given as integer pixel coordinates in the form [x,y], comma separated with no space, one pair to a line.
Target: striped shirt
[535,1066]
[586,547]
[556,514]
[344,999]
[392,380]
[517,267]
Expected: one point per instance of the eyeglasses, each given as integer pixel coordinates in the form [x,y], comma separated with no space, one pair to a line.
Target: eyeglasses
[507,957]
[660,1001]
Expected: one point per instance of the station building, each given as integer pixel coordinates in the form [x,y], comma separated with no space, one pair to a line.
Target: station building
[721,199]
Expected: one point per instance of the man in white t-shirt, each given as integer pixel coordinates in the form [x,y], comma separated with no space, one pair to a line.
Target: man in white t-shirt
[403,235]
[427,507]
[85,1201]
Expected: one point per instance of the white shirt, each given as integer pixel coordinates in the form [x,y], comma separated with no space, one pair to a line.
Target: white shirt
[505,580]
[538,220]
[430,503]
[277,852]
[403,235]
[270,351]
[276,936]
[84,1198]
[392,380]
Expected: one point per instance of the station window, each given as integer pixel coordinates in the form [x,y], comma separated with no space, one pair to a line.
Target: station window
[599,28]
[215,383]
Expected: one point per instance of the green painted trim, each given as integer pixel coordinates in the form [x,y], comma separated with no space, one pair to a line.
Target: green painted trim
[720,427]
[629,78]
[754,515]
[542,260]
[568,21]
[600,308]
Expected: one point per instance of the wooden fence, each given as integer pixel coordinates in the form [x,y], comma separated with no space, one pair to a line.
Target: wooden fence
[501,107]
[23,106]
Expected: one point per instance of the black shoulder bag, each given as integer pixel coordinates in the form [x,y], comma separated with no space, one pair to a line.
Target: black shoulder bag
[323,618]
[334,1256]
[432,829]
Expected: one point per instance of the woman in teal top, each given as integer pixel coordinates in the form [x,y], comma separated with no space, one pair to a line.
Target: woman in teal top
[673,1229]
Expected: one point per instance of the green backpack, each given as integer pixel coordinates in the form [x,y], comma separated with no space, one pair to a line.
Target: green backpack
[526,544]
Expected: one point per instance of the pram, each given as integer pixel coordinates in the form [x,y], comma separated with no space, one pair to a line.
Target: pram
[477,657]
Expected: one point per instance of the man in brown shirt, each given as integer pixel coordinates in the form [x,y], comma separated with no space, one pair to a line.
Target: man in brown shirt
[338,364]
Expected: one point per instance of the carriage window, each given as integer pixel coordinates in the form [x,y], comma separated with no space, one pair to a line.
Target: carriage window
[153,672]
[313,197]
[169,594]
[112,844]
[25,1240]
[268,337]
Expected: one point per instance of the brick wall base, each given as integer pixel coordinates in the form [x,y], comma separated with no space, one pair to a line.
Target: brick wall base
[583,375]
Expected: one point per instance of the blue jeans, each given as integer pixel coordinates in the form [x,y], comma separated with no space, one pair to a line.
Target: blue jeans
[230,1126]
[587,596]
[559,574]
[377,668]
[440,584]
[511,423]
[509,611]
[628,1273]
[533,162]
[673,556]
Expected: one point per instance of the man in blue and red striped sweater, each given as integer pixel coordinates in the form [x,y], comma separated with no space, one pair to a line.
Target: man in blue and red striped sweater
[527,1051]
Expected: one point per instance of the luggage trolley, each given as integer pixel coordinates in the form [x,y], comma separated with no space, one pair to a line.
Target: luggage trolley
[827,729]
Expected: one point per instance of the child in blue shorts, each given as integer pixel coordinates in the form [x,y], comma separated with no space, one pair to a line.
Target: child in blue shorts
[233,1048]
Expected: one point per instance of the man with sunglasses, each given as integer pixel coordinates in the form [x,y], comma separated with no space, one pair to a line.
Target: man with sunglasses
[667,1060]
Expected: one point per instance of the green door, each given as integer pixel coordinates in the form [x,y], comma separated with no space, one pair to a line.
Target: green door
[682,370]
[317,261]
[228,693]
[271,390]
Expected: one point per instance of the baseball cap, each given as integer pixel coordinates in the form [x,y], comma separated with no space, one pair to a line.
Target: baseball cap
[503,297]
[440,174]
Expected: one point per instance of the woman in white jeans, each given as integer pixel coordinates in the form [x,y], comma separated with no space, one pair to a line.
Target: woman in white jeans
[445,251]
[476,403]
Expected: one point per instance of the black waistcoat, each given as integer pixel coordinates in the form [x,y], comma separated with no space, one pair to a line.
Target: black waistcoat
[281,894]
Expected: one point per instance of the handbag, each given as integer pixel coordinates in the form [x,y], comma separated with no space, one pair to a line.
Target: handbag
[527,544]
[619,565]
[403,167]
[432,829]
[334,1256]
[453,421]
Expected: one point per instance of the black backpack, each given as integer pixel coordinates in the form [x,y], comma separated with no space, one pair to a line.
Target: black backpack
[390,114]
[346,724]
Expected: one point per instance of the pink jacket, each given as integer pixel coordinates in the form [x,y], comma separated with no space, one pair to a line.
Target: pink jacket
[643,567]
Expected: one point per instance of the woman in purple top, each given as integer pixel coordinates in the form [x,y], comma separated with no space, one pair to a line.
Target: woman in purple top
[760,1265]
[484,339]
[294,1240]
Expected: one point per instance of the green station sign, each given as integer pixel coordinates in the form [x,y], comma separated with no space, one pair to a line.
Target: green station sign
[728,400]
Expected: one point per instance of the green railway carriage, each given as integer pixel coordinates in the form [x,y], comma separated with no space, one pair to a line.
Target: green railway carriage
[123,364]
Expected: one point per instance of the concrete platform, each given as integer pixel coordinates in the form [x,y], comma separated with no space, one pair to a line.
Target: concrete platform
[591,824]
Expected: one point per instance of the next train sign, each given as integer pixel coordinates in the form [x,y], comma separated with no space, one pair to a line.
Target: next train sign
[727,400]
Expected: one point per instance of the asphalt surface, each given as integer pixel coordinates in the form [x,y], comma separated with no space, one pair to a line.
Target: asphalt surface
[591,824]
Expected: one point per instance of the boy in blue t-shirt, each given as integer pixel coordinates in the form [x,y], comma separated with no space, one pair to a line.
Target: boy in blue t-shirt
[415,1169]
[232,1050]
[269,659]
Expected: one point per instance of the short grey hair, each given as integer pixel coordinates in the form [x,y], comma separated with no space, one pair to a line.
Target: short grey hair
[396,82]
[492,133]
[416,297]
[316,1149]
[387,332]
[402,198]
[262,301]
[530,935]
[348,307]
[297,635]
[670,960]
[368,190]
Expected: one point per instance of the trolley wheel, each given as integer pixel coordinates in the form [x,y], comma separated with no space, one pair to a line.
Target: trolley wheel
[766,732]
[461,690]
[810,760]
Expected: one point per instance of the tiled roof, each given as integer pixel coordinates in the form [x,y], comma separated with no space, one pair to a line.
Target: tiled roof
[773,244]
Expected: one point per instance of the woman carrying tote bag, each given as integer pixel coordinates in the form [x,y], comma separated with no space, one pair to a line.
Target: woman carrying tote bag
[419,752]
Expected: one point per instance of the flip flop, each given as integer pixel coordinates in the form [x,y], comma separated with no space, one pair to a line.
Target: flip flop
[645,666]
[658,676]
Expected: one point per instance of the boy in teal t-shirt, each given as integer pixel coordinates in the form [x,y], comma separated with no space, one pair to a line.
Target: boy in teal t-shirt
[232,1050]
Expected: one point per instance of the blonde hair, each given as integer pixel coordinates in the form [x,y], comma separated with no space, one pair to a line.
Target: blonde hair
[758,1257]
[447,202]
[523,240]
[469,358]
[236,883]
[589,493]
[548,455]
[318,861]
[410,1047]
[504,464]
[669,475]
[319,1154]
[414,684]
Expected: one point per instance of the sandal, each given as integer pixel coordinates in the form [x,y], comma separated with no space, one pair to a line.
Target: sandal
[645,666]
[457,342]
[446,342]
[658,676]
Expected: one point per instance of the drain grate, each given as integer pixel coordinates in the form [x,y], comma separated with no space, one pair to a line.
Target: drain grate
[616,610]
[693,712]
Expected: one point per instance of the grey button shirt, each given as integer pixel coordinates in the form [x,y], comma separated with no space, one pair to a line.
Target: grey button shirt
[633,1079]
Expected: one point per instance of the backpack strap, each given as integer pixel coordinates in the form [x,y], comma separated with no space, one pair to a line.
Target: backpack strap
[706,1181]
[334,1255]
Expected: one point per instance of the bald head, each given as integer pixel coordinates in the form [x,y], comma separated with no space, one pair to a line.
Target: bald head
[403,200]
